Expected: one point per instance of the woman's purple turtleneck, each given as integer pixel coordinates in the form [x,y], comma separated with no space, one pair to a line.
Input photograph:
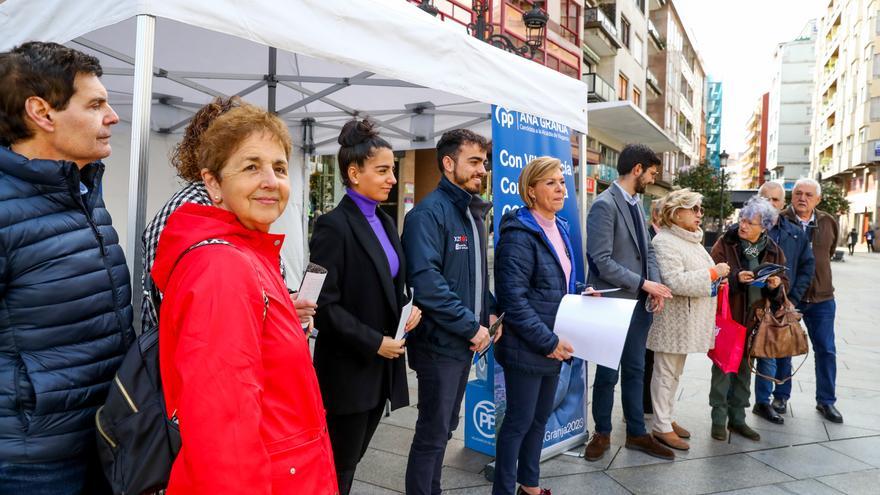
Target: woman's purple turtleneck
[368,208]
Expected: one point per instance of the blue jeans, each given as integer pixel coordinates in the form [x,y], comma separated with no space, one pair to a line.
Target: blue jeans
[442,381]
[778,368]
[819,318]
[632,376]
[78,475]
[529,404]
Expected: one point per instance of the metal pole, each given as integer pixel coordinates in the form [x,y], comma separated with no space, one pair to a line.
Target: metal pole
[721,199]
[273,83]
[582,197]
[140,154]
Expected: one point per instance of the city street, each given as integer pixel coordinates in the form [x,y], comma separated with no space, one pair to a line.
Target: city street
[806,455]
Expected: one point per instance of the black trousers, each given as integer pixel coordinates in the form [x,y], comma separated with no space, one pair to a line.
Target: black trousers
[649,374]
[350,435]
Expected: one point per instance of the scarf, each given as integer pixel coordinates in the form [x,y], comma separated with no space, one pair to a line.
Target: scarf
[752,252]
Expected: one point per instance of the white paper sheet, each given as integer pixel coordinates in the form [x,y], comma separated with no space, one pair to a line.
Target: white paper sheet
[404,317]
[595,326]
[312,282]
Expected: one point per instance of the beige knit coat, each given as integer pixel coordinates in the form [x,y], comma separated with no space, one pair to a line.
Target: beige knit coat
[687,322]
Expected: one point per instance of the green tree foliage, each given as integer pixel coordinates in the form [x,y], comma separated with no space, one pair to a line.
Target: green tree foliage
[833,199]
[706,180]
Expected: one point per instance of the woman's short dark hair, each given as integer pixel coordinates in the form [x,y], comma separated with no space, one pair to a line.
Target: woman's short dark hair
[37,68]
[451,142]
[358,141]
[633,154]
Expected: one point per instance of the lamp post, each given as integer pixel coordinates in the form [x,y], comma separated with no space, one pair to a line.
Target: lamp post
[722,161]
[428,6]
[535,21]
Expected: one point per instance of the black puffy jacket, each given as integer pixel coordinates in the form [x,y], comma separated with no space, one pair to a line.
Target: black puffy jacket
[65,307]
[529,285]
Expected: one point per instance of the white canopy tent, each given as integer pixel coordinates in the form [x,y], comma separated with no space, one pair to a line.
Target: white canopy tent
[317,63]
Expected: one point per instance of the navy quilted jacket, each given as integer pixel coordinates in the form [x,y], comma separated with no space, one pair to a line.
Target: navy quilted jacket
[65,307]
[529,285]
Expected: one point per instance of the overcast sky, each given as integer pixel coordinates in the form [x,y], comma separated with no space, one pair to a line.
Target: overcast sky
[736,40]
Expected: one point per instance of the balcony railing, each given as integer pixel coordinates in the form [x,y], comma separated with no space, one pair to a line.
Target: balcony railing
[596,18]
[655,35]
[598,88]
[652,81]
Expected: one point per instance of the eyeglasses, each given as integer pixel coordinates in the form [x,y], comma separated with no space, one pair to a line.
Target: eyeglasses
[745,221]
[697,209]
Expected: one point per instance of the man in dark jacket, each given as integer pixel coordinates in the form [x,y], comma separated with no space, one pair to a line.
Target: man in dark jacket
[444,240]
[620,255]
[801,265]
[65,298]
[817,304]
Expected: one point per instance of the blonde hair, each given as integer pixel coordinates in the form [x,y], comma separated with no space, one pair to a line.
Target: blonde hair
[656,209]
[677,200]
[537,169]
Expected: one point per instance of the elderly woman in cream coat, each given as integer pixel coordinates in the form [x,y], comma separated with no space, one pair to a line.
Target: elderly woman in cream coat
[687,324]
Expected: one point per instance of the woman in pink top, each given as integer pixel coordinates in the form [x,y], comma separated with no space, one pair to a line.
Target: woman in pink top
[533,271]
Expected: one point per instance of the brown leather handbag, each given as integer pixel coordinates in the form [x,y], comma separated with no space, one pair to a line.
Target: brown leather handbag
[777,334]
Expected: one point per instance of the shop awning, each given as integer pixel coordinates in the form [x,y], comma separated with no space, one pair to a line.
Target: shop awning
[617,123]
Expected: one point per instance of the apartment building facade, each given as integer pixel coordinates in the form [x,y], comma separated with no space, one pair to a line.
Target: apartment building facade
[790,108]
[845,146]
[714,94]
[753,162]
[678,106]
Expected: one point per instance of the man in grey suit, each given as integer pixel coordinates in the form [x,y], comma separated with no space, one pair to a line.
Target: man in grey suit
[620,255]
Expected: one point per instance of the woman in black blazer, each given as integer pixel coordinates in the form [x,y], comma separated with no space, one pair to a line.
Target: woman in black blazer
[358,362]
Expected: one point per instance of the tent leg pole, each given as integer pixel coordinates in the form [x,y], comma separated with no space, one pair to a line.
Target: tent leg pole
[308,151]
[582,193]
[140,155]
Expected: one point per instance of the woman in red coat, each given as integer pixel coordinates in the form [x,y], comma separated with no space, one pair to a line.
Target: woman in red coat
[235,364]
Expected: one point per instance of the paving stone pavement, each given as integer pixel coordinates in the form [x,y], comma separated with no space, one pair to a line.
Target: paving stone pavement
[806,455]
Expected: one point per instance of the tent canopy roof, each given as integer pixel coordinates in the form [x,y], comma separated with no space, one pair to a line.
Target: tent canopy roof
[335,59]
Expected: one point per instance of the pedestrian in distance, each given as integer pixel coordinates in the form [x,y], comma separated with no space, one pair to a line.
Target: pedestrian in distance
[65,294]
[359,363]
[444,242]
[533,271]
[236,371]
[620,255]
[744,248]
[687,323]
[869,239]
[853,240]
[818,305]
[800,267]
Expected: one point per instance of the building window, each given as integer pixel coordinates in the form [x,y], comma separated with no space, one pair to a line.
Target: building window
[571,12]
[875,109]
[624,31]
[863,135]
[637,98]
[638,49]
[622,86]
[641,5]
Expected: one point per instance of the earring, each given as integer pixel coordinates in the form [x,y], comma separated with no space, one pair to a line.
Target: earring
[217,198]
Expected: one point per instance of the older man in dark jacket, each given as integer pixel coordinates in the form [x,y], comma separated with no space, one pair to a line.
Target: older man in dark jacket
[801,265]
[65,298]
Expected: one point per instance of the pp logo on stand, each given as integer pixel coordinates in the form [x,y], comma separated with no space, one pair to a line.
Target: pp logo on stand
[484,418]
[504,118]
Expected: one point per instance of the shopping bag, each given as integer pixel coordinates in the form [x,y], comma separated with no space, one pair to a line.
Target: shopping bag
[730,336]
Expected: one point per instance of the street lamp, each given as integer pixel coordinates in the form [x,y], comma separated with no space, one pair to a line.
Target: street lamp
[428,6]
[722,161]
[535,21]
[766,176]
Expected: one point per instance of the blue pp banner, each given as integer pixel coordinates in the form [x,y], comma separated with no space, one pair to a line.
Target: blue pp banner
[517,138]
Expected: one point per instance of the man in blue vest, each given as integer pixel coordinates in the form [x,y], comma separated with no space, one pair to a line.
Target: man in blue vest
[65,297]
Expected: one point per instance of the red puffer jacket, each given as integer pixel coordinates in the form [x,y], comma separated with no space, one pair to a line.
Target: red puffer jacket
[241,383]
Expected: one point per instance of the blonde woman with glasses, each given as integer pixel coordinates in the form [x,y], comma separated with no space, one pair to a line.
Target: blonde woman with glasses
[687,323]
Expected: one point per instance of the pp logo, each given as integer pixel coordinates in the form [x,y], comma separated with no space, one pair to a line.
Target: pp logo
[503,117]
[484,418]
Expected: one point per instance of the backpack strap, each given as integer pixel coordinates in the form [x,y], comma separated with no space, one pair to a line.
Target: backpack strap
[156,296]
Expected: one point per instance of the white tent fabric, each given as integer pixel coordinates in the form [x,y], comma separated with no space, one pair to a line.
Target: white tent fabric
[331,60]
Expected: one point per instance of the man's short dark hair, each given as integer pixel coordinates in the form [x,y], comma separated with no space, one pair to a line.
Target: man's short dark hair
[39,69]
[633,154]
[451,142]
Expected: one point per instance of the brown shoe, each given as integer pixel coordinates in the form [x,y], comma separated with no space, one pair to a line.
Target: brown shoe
[648,445]
[681,432]
[671,440]
[599,444]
